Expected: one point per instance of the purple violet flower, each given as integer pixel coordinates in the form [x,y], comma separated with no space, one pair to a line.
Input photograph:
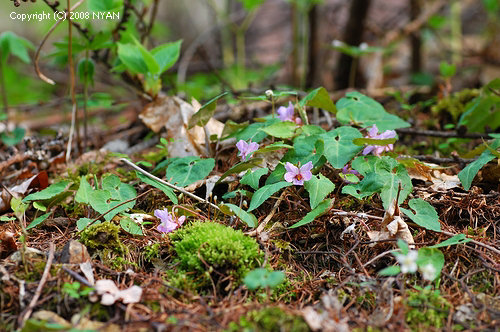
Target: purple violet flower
[298,175]
[379,149]
[349,171]
[346,171]
[168,221]
[246,149]
[287,114]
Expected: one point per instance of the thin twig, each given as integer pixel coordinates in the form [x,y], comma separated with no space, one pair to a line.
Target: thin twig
[74,109]
[337,212]
[37,54]
[154,11]
[43,280]
[54,8]
[269,216]
[378,257]
[319,252]
[71,132]
[189,210]
[440,160]
[440,133]
[414,25]
[77,277]
[182,190]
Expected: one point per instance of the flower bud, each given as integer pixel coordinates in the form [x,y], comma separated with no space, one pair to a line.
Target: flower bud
[337,43]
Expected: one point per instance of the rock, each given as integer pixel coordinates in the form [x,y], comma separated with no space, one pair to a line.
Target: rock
[117,145]
[30,253]
[74,253]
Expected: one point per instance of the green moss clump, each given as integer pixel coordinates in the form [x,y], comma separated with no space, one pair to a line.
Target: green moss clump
[103,237]
[455,103]
[151,251]
[209,252]
[427,308]
[269,319]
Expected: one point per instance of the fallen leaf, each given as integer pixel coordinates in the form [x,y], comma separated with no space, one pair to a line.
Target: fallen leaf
[39,181]
[433,173]
[7,244]
[88,272]
[327,315]
[443,181]
[51,317]
[173,113]
[393,226]
[385,304]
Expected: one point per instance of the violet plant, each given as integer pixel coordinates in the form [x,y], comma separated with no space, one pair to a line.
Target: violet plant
[305,148]
[246,149]
[169,222]
[297,175]
[360,150]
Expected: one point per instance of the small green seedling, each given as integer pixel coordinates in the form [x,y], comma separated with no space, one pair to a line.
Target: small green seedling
[262,278]
[75,290]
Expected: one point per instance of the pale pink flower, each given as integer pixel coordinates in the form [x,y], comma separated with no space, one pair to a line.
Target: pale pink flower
[168,221]
[379,149]
[246,149]
[298,175]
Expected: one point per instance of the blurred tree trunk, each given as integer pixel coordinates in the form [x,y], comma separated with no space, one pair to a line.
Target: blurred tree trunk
[314,46]
[415,40]
[295,43]
[353,34]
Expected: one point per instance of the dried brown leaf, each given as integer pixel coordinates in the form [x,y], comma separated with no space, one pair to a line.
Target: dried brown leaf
[173,113]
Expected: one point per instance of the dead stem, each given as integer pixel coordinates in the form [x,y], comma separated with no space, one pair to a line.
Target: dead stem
[23,317]
[37,53]
[182,190]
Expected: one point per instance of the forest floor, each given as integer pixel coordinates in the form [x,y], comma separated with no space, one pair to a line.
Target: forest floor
[48,271]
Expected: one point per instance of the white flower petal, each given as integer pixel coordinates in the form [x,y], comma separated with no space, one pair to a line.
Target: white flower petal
[106,286]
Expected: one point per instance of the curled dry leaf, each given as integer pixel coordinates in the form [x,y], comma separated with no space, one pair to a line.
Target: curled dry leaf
[443,181]
[385,304]
[433,173]
[110,293]
[393,226]
[7,244]
[209,182]
[326,316]
[88,272]
[173,113]
[40,181]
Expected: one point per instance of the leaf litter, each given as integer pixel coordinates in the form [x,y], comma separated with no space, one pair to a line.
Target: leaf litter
[352,295]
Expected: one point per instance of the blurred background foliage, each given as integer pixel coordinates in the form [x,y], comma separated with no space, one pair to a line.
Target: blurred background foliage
[251,45]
